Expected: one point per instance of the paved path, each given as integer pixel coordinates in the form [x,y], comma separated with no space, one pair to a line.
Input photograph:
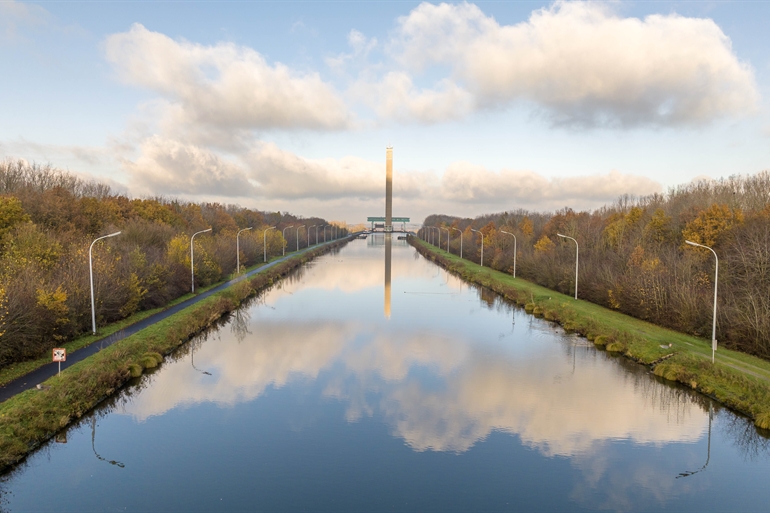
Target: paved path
[30,380]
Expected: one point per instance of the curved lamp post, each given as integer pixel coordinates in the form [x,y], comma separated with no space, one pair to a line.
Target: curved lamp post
[447,238]
[309,228]
[577,256]
[284,239]
[91,273]
[714,318]
[298,227]
[461,241]
[238,249]
[192,257]
[264,240]
[325,227]
[514,251]
[482,245]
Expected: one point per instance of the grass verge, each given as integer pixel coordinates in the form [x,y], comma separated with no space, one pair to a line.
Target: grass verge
[32,417]
[737,380]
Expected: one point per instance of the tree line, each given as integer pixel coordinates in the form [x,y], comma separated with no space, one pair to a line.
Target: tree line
[48,219]
[633,256]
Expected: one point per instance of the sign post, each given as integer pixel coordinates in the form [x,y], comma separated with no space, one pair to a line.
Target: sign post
[59,355]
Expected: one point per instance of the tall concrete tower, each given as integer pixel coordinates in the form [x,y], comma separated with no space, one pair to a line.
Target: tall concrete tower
[389,189]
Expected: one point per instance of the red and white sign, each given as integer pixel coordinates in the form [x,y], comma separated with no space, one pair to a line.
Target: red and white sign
[59,354]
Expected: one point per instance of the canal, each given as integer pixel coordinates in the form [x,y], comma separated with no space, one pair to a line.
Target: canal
[373,380]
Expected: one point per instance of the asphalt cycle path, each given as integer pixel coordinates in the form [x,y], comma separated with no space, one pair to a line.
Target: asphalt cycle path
[41,374]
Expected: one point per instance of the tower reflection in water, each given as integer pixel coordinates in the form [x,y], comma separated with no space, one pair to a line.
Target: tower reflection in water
[388,244]
[376,240]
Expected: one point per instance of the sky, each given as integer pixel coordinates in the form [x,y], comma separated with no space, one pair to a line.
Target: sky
[289,106]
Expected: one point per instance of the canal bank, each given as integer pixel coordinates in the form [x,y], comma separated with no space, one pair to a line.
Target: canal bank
[30,418]
[737,380]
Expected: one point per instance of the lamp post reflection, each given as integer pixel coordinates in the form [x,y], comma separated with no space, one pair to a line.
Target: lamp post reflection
[192,360]
[708,448]
[93,445]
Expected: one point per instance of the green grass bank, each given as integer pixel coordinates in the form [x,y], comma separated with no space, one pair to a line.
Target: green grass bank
[737,380]
[30,418]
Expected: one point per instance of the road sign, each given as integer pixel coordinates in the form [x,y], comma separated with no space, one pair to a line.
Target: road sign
[59,354]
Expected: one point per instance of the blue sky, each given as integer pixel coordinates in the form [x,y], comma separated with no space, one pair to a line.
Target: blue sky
[289,106]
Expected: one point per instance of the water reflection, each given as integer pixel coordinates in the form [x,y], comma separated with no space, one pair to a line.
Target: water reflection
[437,391]
[388,249]
[93,445]
[457,402]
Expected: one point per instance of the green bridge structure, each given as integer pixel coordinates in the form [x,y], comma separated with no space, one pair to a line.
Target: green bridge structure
[379,222]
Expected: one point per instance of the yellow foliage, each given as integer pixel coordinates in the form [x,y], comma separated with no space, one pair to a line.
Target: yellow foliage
[3,310]
[618,224]
[11,214]
[651,265]
[136,293]
[56,303]
[637,257]
[544,245]
[526,226]
[711,223]
[612,300]
[658,229]
[179,250]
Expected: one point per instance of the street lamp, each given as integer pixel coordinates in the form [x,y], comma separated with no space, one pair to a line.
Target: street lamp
[714,317]
[482,245]
[91,272]
[284,239]
[238,249]
[577,256]
[447,237]
[514,251]
[309,228]
[461,241]
[264,240]
[325,227]
[192,257]
[298,227]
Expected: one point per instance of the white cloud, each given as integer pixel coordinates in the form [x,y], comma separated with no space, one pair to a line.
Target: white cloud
[15,15]
[225,87]
[471,183]
[278,178]
[582,63]
[170,166]
[395,96]
[167,166]
[360,47]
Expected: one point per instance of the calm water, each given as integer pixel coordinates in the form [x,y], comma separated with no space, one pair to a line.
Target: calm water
[338,391]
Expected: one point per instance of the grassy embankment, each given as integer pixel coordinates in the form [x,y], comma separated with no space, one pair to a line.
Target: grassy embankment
[32,417]
[737,380]
[17,370]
